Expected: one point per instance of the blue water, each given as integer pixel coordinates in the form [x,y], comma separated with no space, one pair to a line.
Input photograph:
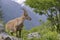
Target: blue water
[12,10]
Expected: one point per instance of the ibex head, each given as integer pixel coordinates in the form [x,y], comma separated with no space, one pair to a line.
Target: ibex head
[27,17]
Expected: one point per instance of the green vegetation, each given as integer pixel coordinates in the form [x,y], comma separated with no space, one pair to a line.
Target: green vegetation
[43,4]
[45,31]
[50,8]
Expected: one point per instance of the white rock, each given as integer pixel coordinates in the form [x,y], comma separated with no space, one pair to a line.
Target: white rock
[33,35]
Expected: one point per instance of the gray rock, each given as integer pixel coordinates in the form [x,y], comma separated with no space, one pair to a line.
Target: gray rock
[8,38]
[34,35]
[5,36]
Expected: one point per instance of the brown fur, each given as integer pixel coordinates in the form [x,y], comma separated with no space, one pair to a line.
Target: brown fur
[11,25]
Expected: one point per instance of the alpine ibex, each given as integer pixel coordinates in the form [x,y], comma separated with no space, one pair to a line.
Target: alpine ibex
[16,25]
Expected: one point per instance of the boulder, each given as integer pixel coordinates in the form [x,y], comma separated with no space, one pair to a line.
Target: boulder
[5,36]
[34,35]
